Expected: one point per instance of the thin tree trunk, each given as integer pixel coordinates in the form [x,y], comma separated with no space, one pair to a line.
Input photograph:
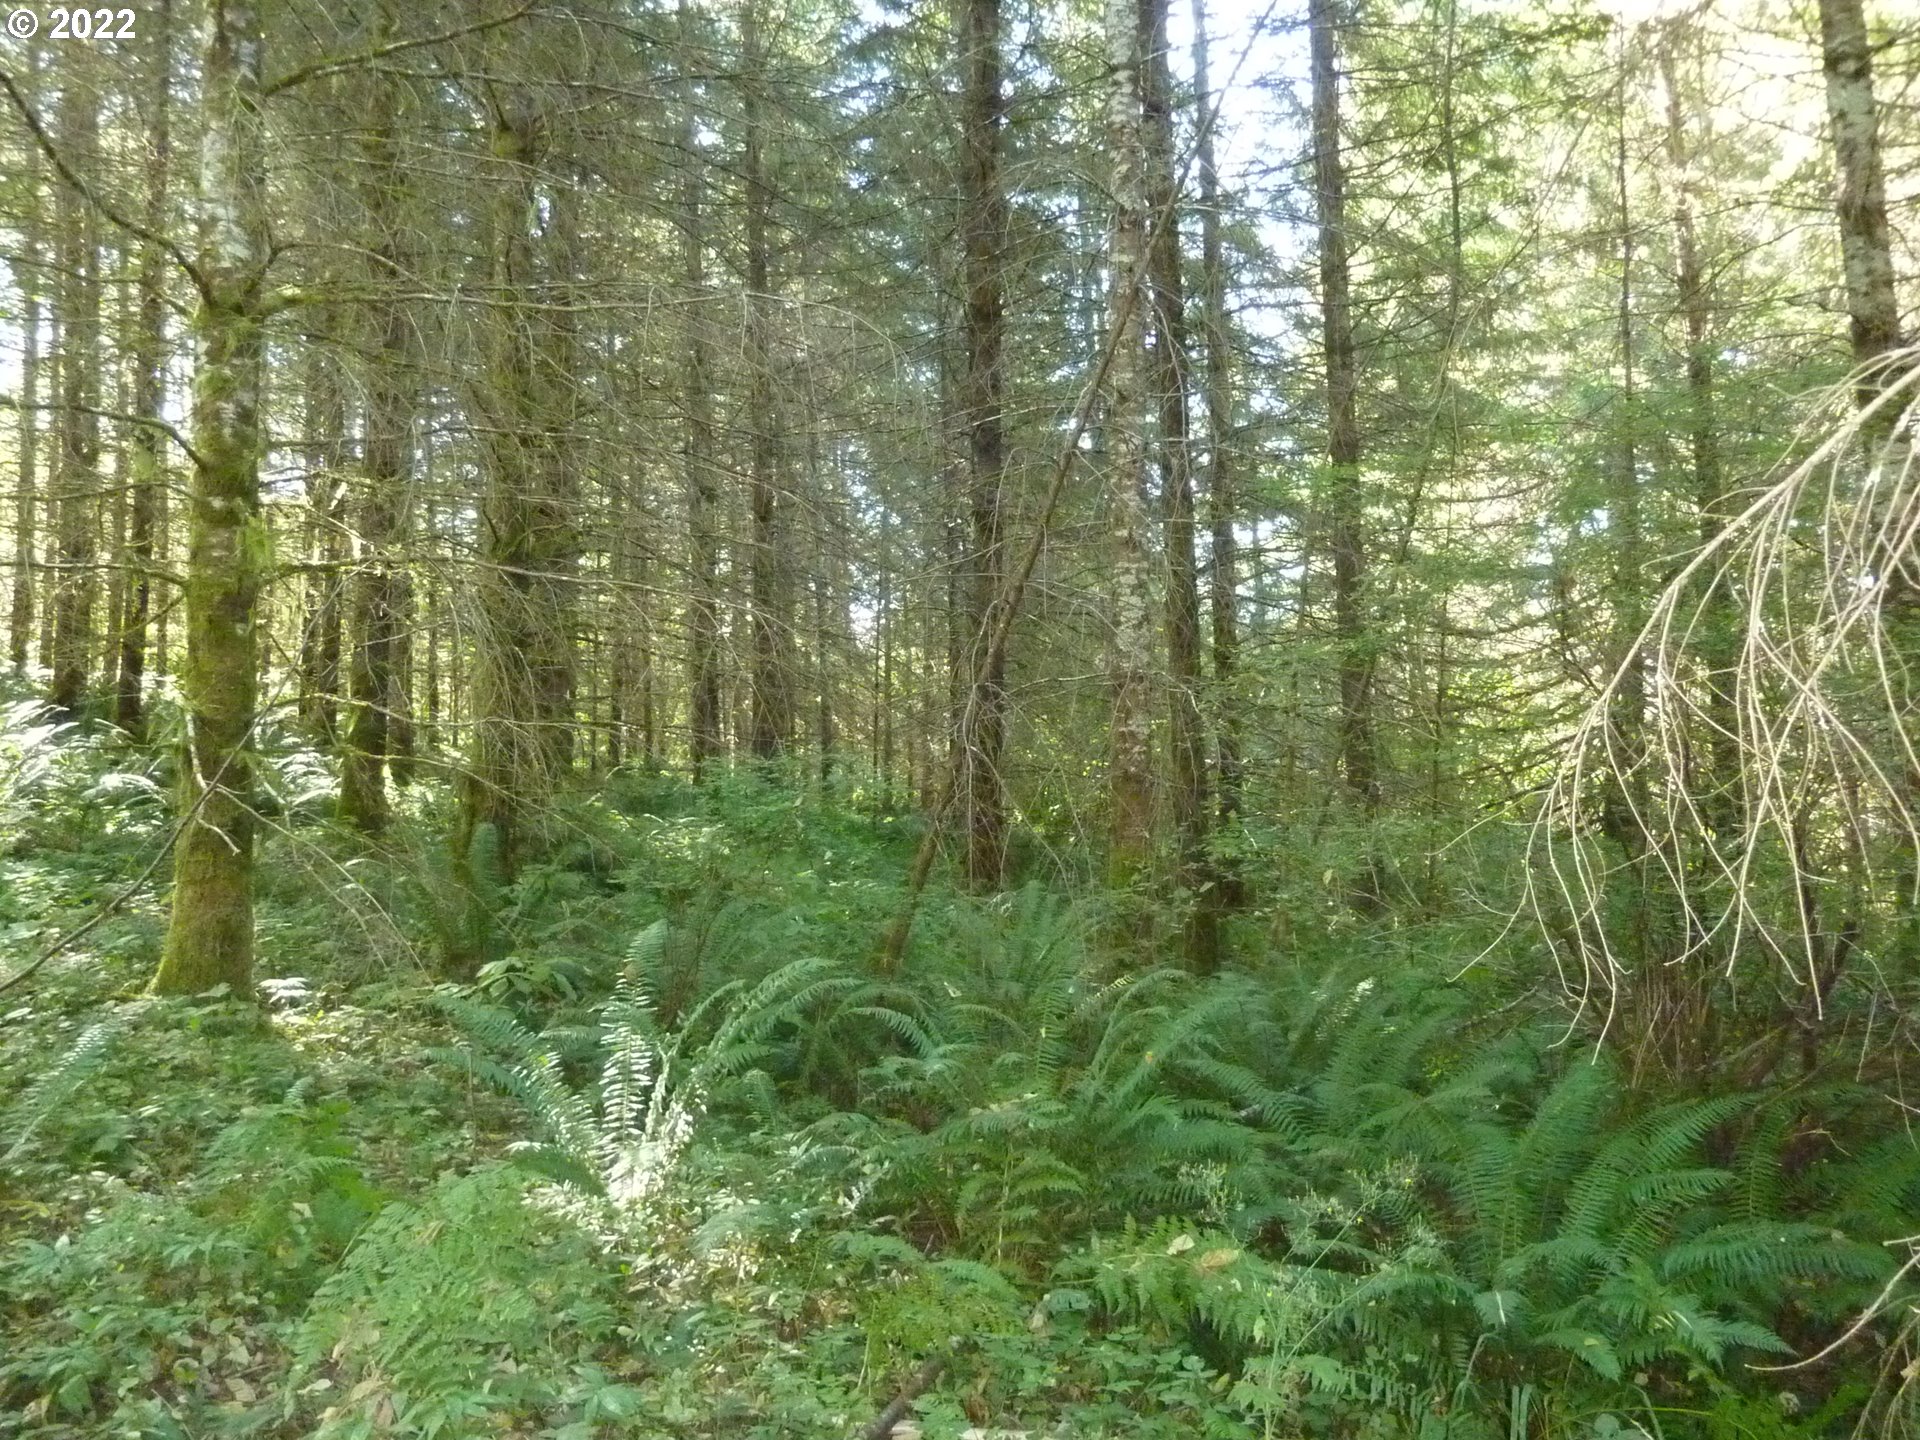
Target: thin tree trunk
[1719,787]
[1359,762]
[981,727]
[772,719]
[78,480]
[26,532]
[385,500]
[1628,714]
[146,443]
[1130,657]
[1186,729]
[1221,503]
[210,936]
[707,740]
[327,518]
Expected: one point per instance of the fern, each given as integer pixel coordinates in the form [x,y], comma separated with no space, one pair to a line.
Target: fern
[53,1088]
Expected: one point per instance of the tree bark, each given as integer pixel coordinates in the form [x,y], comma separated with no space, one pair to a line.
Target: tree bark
[147,455]
[26,271]
[521,687]
[981,726]
[772,717]
[78,482]
[385,501]
[1130,655]
[1222,507]
[1866,253]
[1359,761]
[1186,729]
[707,738]
[210,935]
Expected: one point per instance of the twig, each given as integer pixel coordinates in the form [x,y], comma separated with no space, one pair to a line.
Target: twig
[319,69]
[896,1411]
[67,173]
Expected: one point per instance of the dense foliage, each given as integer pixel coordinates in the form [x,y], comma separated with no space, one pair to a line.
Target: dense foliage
[650,1174]
[863,718]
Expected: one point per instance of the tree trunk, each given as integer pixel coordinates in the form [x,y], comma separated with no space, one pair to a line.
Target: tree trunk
[1719,786]
[386,493]
[707,738]
[147,464]
[520,694]
[1359,762]
[327,517]
[78,482]
[1186,731]
[981,726]
[1130,658]
[26,271]
[210,936]
[1221,504]
[1861,190]
[772,719]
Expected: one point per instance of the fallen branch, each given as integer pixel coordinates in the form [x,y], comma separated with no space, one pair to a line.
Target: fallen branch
[896,1411]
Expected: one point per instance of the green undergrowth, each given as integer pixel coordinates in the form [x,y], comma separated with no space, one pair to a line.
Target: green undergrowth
[668,1157]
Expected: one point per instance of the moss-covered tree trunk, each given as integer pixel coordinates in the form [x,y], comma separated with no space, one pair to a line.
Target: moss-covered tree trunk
[210,937]
[521,690]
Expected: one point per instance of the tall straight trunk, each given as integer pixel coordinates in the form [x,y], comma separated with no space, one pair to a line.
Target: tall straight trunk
[380,517]
[1130,656]
[1866,253]
[520,692]
[1719,786]
[1186,731]
[981,726]
[210,935]
[147,457]
[1628,714]
[327,519]
[772,718]
[1359,761]
[707,738]
[1221,504]
[26,532]
[78,484]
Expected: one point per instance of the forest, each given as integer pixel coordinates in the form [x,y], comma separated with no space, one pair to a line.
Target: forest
[960,719]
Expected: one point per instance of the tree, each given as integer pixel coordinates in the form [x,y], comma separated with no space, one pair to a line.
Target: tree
[980,728]
[1186,735]
[77,484]
[1123,435]
[1346,509]
[147,467]
[523,664]
[772,619]
[1866,252]
[229,548]
[386,496]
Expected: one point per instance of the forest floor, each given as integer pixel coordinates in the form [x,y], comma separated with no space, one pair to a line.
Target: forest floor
[669,1158]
